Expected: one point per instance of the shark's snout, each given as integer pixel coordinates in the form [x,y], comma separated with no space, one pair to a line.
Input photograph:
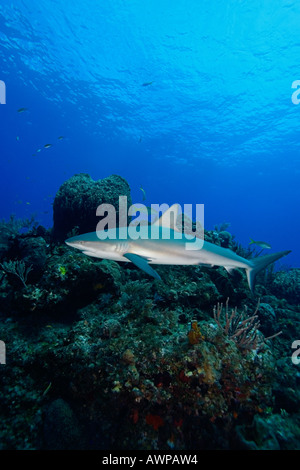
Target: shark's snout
[75,242]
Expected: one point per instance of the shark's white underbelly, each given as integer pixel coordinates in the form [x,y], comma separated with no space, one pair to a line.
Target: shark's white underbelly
[178,254]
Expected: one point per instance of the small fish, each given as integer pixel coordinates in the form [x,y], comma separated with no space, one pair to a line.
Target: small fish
[17,138]
[147,83]
[61,137]
[28,203]
[47,146]
[261,244]
[22,110]
[39,150]
[144,193]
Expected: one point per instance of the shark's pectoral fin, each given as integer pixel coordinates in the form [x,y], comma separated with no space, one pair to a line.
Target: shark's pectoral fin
[142,263]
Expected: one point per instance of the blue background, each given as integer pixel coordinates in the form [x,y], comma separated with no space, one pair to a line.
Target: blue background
[216,125]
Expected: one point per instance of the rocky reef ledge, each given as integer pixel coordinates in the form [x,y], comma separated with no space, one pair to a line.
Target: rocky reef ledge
[100,356]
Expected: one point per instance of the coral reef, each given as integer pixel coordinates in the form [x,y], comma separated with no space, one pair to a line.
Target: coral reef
[286,284]
[99,356]
[76,202]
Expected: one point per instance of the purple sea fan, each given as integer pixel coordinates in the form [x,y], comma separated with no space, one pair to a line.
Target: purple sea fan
[240,327]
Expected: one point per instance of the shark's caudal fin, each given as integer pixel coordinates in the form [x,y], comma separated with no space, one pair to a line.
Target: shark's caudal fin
[257,264]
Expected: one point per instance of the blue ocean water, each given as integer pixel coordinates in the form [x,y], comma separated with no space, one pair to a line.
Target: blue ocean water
[190,100]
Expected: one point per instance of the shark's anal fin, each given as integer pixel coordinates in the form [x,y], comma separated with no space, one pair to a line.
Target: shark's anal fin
[142,263]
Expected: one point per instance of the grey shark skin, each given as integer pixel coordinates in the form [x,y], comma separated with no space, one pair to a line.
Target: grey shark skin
[171,251]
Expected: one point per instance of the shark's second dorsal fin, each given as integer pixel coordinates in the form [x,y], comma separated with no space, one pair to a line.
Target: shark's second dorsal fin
[169,218]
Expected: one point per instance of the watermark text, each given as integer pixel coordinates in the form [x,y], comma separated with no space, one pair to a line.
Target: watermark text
[296,94]
[174,223]
[2,353]
[295,358]
[2,92]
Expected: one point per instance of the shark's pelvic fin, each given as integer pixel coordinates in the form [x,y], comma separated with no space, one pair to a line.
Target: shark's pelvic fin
[230,270]
[142,263]
[257,264]
[169,218]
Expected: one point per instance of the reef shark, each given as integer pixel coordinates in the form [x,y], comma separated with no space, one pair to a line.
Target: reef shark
[168,250]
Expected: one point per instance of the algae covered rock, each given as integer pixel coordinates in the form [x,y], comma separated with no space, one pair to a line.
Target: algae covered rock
[267,318]
[33,252]
[5,241]
[76,202]
[286,284]
[257,436]
[70,281]
[225,239]
[273,432]
[61,429]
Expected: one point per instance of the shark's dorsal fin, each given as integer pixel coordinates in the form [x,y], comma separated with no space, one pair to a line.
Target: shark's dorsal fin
[169,218]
